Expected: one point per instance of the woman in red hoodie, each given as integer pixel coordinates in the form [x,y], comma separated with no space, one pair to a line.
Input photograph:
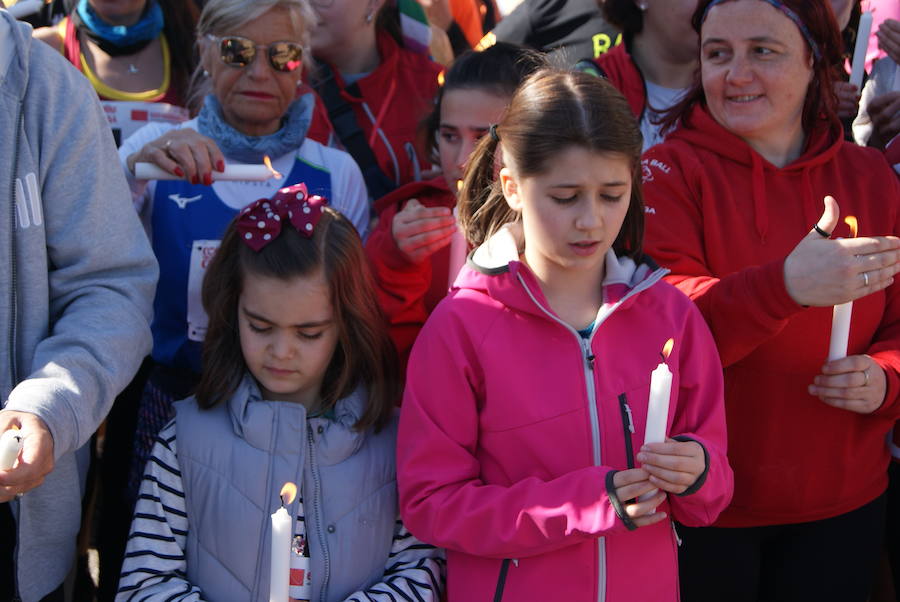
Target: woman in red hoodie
[735,209]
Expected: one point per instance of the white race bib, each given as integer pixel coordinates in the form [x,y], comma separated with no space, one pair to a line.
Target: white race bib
[202,252]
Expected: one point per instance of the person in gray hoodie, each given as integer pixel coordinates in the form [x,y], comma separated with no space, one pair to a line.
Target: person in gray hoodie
[76,286]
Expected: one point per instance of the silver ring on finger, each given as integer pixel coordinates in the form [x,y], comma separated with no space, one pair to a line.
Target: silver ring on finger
[167,147]
[865,276]
[866,374]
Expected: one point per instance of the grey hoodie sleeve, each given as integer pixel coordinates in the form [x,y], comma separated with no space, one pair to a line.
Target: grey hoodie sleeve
[86,275]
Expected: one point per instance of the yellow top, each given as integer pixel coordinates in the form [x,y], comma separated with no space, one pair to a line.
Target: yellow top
[111,93]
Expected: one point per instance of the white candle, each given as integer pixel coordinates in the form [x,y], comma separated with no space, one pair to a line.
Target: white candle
[246,173]
[862,46]
[658,405]
[840,317]
[280,576]
[840,331]
[10,446]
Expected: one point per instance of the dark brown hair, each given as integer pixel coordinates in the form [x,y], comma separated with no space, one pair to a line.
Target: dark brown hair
[821,101]
[625,15]
[498,69]
[364,353]
[552,111]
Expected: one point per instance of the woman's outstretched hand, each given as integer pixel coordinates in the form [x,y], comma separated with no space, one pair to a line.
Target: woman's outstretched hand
[823,271]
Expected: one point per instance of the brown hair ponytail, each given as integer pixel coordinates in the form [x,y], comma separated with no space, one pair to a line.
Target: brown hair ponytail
[553,110]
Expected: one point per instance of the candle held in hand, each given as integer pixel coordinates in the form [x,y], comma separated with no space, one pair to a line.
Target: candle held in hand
[658,405]
[280,579]
[840,317]
[240,172]
[10,446]
[660,392]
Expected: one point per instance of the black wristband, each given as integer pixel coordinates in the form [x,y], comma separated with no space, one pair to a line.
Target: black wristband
[616,502]
[700,479]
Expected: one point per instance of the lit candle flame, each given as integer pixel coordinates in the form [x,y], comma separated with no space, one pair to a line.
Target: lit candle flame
[288,493]
[850,220]
[667,349]
[275,174]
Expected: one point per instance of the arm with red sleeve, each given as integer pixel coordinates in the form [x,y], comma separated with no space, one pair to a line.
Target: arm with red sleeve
[400,284]
[700,416]
[443,500]
[743,309]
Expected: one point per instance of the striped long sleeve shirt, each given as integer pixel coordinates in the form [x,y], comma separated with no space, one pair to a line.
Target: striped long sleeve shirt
[155,565]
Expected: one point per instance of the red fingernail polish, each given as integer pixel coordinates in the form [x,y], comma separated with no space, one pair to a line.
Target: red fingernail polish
[178,172]
[195,180]
[207,179]
[220,166]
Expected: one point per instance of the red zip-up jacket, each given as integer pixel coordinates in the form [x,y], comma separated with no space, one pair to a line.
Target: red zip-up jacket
[396,96]
[724,219]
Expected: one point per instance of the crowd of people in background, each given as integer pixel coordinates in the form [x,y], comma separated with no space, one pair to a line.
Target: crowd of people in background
[490,302]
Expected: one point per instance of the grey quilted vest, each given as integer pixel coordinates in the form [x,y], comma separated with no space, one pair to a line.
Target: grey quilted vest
[235,457]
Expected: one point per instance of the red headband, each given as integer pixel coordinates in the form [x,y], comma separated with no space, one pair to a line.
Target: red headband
[260,223]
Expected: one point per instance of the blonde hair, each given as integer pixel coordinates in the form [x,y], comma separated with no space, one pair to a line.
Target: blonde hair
[228,16]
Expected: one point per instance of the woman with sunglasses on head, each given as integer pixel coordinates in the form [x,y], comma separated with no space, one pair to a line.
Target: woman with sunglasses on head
[735,210]
[251,53]
[376,89]
[135,53]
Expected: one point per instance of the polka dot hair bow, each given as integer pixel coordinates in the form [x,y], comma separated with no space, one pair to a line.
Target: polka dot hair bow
[260,223]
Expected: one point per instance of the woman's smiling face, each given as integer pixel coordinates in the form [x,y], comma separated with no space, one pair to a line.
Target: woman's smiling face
[756,69]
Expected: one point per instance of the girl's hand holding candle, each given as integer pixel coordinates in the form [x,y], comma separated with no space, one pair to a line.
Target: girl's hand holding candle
[673,466]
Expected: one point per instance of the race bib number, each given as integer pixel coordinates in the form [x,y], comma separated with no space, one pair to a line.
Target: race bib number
[202,252]
[126,117]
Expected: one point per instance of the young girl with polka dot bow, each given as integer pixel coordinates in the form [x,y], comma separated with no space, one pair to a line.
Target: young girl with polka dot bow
[298,385]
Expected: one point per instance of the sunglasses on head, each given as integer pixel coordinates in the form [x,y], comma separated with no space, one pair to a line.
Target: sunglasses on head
[239,52]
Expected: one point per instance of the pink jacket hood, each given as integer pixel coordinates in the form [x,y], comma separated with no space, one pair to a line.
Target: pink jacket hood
[512,424]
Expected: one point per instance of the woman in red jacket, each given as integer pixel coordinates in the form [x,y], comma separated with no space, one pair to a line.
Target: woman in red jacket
[375,90]
[735,209]
[410,248]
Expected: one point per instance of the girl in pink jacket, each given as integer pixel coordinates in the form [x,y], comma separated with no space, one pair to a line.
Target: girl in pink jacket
[521,447]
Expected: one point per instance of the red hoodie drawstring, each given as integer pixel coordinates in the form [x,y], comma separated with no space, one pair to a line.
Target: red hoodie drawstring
[384,107]
[761,213]
[809,202]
